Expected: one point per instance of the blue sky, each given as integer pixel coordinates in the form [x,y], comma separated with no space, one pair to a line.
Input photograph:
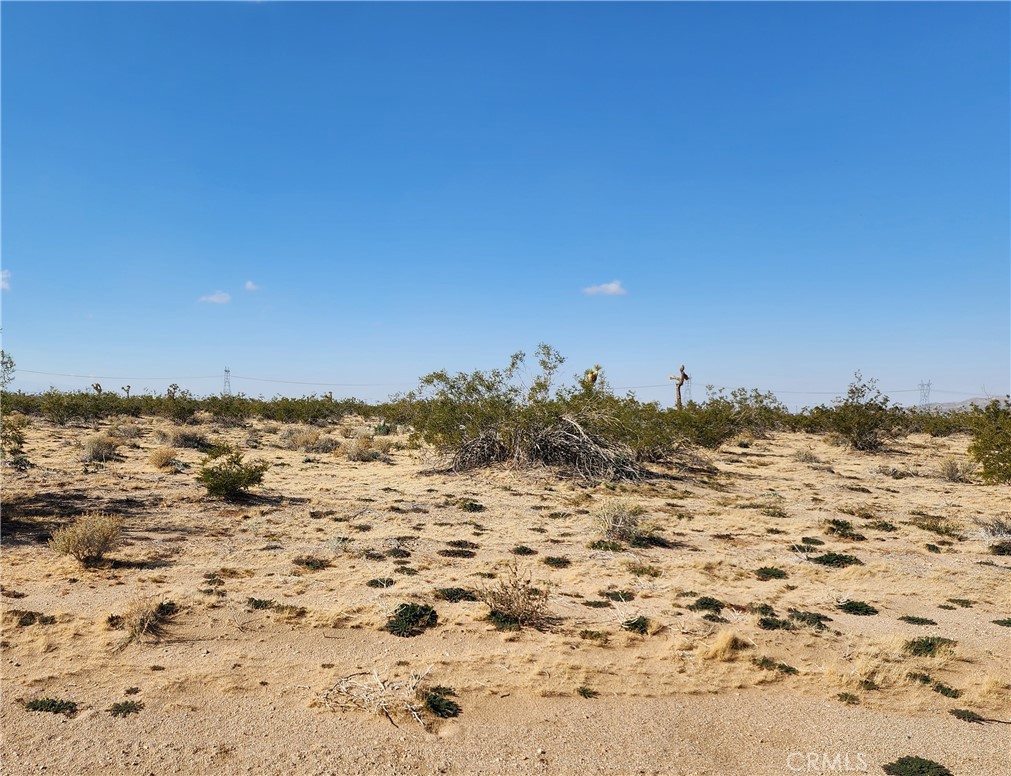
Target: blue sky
[784,193]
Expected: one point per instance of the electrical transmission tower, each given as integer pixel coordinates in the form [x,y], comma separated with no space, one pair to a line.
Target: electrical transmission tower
[227,390]
[924,394]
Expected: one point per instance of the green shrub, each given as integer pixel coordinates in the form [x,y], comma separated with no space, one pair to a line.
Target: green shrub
[991,440]
[225,475]
[12,440]
[88,538]
[864,418]
[437,701]
[770,572]
[125,708]
[915,766]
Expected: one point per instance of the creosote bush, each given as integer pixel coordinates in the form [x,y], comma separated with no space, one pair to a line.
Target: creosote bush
[12,440]
[991,441]
[863,419]
[225,475]
[88,538]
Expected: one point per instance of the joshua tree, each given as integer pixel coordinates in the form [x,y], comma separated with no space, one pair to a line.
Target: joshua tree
[590,376]
[126,390]
[97,387]
[680,379]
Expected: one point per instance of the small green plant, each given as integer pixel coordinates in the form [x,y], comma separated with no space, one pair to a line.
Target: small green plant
[606,545]
[932,548]
[917,620]
[522,549]
[621,596]
[557,562]
[125,708]
[768,664]
[967,716]
[1006,622]
[920,677]
[88,538]
[945,690]
[858,607]
[454,553]
[643,570]
[915,766]
[312,562]
[965,603]
[437,700]
[380,582]
[592,635]
[586,692]
[848,698]
[882,525]
[844,530]
[638,625]
[1001,548]
[774,623]
[707,604]
[770,572]
[469,505]
[837,560]
[811,619]
[412,619]
[260,603]
[225,475]
[811,541]
[594,604]
[23,618]
[928,646]
[456,594]
[52,706]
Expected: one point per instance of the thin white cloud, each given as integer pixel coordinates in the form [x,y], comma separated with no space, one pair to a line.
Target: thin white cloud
[218,297]
[251,286]
[5,279]
[614,288]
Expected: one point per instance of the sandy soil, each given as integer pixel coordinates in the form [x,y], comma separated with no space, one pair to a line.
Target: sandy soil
[232,689]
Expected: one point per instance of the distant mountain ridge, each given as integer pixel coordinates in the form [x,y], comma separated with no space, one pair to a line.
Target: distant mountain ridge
[951,406]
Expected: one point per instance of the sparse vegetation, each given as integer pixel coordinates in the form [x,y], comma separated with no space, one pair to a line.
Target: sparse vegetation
[99,448]
[618,521]
[638,625]
[953,470]
[770,572]
[917,620]
[88,538]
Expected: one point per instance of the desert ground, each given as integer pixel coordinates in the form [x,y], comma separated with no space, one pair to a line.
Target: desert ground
[244,672]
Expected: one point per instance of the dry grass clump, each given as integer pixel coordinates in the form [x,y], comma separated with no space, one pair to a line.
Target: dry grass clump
[88,538]
[308,440]
[98,448]
[994,529]
[127,430]
[382,445]
[953,470]
[144,620]
[183,437]
[363,450]
[163,457]
[515,602]
[368,691]
[725,647]
[618,520]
